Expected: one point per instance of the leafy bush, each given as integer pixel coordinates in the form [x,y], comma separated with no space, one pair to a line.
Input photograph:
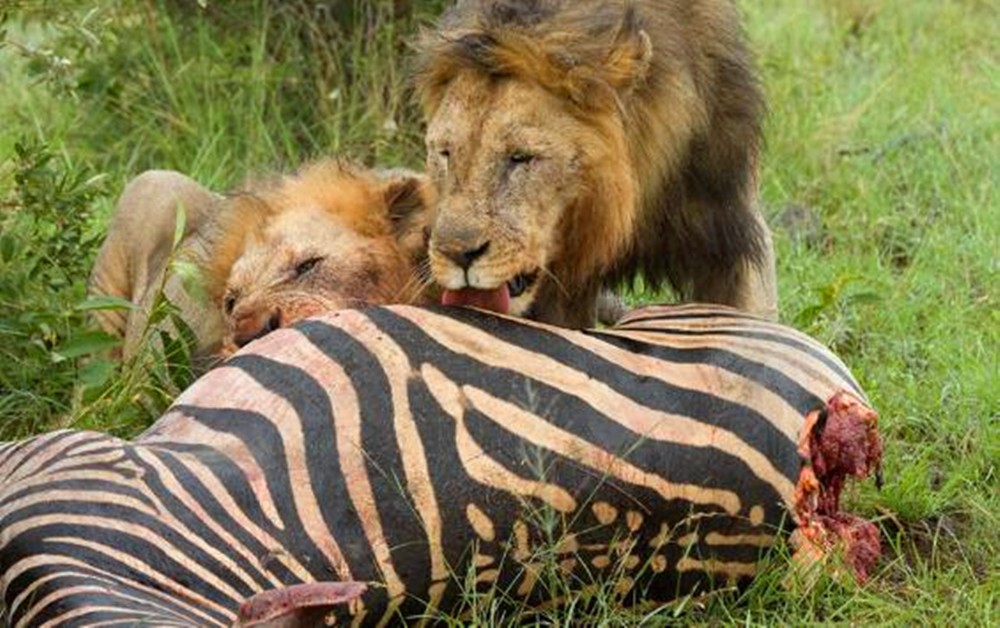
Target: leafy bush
[46,239]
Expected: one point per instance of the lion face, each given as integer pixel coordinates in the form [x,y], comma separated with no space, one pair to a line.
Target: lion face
[328,244]
[304,263]
[514,168]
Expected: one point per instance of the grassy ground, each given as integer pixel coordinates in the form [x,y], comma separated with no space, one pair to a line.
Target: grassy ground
[879,180]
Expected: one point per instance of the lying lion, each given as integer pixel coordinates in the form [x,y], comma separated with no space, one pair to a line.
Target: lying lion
[332,236]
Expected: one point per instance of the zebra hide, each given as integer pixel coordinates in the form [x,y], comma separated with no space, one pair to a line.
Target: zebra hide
[386,463]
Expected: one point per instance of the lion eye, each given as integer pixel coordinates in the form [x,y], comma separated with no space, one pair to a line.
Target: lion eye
[229,303]
[520,157]
[307,265]
[444,154]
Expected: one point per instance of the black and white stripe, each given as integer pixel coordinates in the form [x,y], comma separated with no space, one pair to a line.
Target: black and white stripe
[418,450]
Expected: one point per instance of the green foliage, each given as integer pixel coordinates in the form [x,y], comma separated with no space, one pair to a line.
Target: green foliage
[232,87]
[55,208]
[879,180]
[45,239]
[127,397]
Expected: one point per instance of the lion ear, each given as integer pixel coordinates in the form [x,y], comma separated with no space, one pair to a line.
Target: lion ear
[407,197]
[631,54]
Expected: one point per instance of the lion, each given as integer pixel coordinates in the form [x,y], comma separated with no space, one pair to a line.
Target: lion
[580,145]
[334,235]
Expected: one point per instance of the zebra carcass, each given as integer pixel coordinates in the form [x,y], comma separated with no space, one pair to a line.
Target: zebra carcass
[377,464]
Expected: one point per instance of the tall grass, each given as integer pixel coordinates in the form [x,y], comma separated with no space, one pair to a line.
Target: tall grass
[879,181]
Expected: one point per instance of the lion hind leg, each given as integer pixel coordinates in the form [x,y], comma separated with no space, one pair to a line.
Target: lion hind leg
[139,239]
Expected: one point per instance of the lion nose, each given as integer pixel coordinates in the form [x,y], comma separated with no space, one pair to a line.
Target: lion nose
[464,256]
[252,325]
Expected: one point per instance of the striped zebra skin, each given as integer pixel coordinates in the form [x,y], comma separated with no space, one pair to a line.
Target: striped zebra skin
[426,452]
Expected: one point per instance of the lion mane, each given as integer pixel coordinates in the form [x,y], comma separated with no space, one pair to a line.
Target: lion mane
[671,86]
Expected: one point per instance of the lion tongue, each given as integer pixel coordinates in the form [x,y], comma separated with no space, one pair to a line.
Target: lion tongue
[496,300]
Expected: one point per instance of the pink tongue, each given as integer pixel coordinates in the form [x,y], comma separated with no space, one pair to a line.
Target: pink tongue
[496,300]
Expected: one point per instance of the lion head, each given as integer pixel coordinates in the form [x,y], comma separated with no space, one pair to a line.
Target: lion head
[331,237]
[577,144]
[521,175]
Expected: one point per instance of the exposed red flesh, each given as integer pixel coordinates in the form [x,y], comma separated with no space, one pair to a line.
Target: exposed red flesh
[839,441]
[297,605]
[496,300]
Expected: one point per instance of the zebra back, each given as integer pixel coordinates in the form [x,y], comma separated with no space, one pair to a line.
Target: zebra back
[427,452]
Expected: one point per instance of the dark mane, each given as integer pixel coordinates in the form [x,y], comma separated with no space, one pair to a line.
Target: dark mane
[552,43]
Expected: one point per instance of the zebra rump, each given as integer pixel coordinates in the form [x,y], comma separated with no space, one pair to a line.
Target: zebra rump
[377,464]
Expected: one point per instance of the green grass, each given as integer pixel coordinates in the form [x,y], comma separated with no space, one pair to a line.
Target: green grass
[879,181]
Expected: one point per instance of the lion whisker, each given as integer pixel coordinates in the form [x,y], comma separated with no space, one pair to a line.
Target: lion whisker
[413,289]
[555,280]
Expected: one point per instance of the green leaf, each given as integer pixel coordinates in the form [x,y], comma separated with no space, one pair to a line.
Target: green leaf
[97,373]
[8,246]
[177,360]
[105,303]
[186,334]
[86,343]
[171,345]
[162,307]
[180,225]
[807,316]
[191,279]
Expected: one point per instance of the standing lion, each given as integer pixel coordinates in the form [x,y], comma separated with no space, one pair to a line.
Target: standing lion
[579,144]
